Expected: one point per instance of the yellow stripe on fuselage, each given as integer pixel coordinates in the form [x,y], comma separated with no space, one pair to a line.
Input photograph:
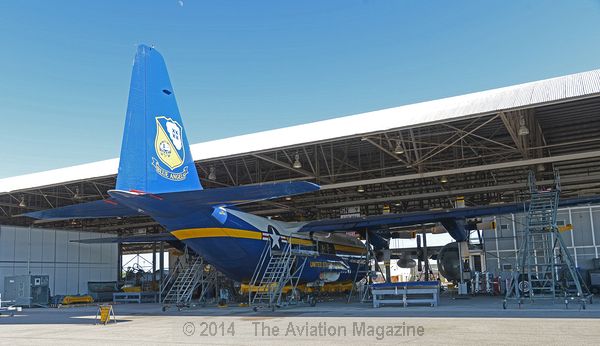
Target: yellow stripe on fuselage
[298,241]
[352,249]
[189,233]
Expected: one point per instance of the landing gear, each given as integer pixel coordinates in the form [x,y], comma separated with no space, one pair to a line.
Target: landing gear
[312,298]
[293,296]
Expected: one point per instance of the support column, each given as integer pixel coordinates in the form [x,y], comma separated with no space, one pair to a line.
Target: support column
[425,256]
[161,260]
[386,263]
[463,252]
[153,262]
[119,261]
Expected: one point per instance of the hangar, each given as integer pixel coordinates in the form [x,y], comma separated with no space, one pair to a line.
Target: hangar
[422,156]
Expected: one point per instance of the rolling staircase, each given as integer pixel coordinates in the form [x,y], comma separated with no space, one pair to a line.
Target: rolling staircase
[189,273]
[362,278]
[545,268]
[275,270]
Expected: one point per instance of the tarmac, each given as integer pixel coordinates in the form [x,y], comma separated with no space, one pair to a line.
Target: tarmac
[476,320]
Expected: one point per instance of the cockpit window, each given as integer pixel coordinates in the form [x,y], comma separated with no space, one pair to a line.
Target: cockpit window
[326,248]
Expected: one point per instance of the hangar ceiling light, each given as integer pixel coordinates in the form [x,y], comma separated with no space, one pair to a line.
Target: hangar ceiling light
[297,163]
[399,149]
[77,195]
[523,130]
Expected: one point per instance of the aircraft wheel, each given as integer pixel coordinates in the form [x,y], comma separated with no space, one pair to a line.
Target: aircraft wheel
[312,300]
[294,296]
[255,309]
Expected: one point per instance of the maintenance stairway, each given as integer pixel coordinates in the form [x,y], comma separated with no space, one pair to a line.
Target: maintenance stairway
[545,268]
[363,277]
[189,273]
[275,270]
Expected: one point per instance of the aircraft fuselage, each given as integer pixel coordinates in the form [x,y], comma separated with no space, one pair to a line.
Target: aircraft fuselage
[234,241]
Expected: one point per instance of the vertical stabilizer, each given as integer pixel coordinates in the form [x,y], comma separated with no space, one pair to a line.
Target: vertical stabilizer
[155,155]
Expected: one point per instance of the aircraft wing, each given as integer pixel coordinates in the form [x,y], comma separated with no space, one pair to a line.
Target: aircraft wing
[450,218]
[415,252]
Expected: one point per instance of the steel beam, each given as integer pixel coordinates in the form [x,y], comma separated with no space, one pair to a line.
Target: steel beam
[452,193]
[493,166]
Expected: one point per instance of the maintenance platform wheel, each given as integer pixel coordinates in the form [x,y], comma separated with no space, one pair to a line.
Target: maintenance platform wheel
[312,300]
[273,307]
[566,303]
[504,304]
[583,304]
[255,308]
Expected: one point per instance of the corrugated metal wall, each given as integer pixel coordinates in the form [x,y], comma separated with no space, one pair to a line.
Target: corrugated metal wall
[583,241]
[50,252]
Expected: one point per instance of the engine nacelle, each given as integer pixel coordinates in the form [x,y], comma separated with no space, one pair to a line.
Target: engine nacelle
[449,262]
[406,262]
[329,276]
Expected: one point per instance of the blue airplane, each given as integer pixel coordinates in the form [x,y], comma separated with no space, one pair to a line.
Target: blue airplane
[157,177]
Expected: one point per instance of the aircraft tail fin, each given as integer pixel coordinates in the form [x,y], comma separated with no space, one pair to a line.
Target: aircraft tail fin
[155,155]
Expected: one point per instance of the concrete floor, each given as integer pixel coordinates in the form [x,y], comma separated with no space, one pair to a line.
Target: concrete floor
[478,320]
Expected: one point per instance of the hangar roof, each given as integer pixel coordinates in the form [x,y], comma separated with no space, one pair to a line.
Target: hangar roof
[560,89]
[414,157]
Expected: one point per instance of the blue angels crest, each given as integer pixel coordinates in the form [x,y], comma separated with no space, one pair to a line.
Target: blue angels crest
[170,148]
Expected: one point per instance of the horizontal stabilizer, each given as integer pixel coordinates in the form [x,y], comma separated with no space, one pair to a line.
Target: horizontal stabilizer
[177,203]
[142,238]
[96,209]
[237,195]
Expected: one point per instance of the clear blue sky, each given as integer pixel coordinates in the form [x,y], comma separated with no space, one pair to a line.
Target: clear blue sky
[244,66]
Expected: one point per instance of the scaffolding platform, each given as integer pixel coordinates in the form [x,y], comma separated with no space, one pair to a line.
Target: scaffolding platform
[277,269]
[405,293]
[189,274]
[545,268]
[135,297]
